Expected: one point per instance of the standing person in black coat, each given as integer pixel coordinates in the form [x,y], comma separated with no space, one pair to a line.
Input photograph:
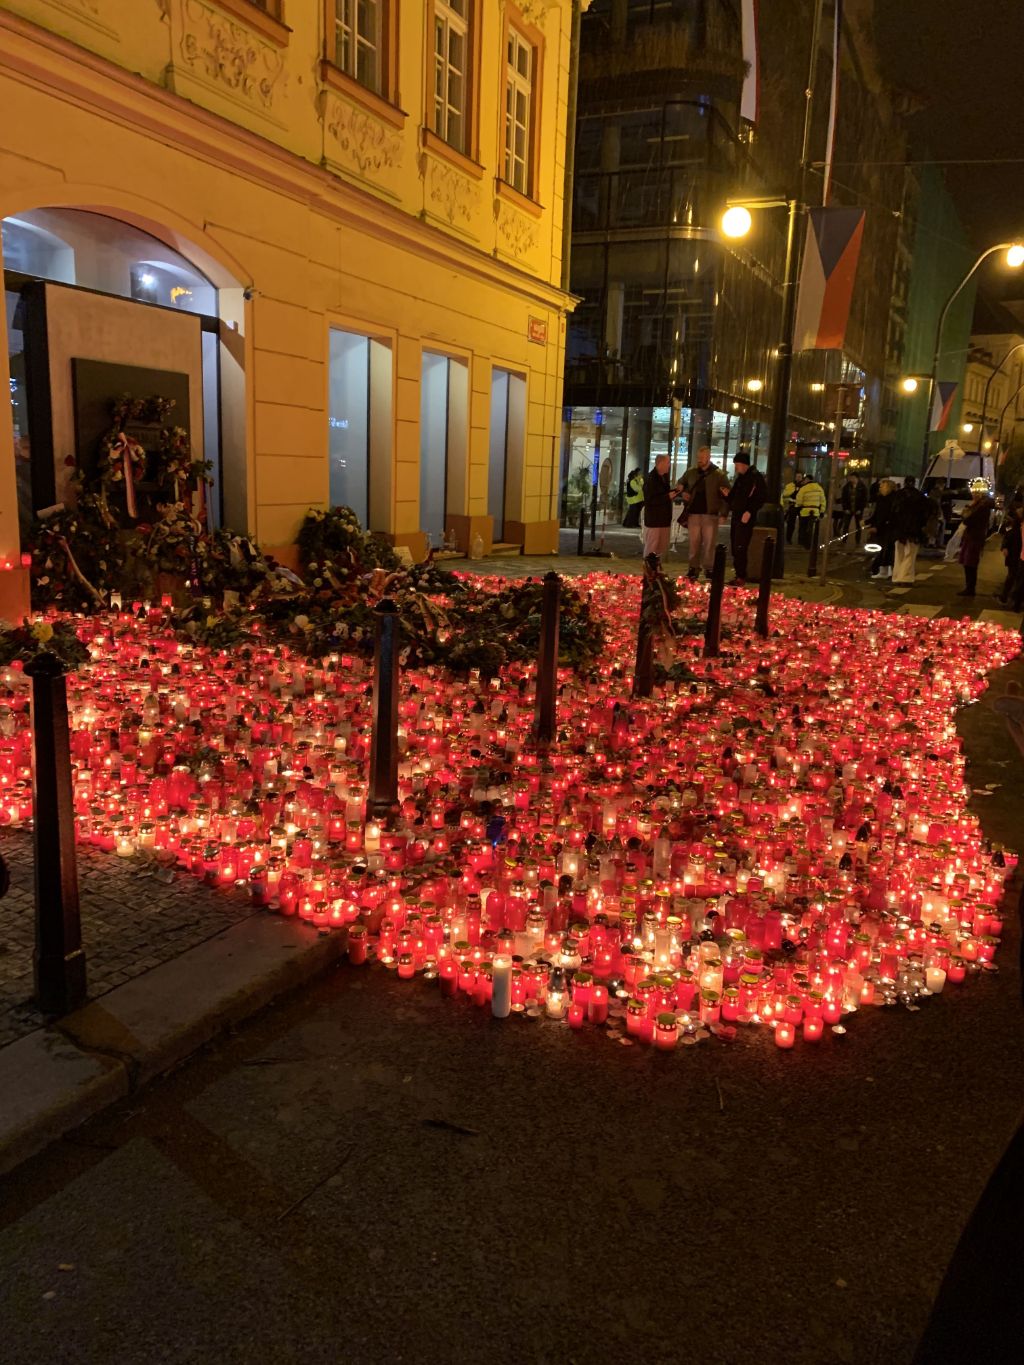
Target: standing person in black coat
[911,510]
[659,504]
[1011,546]
[745,499]
[881,527]
[976,517]
[853,499]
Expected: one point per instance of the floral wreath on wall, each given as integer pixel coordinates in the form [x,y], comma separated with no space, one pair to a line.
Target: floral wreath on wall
[123,460]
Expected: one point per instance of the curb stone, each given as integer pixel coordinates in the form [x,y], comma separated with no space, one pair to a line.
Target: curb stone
[56,1078]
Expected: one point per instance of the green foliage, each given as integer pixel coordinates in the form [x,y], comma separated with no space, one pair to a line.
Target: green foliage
[26,643]
[333,543]
[445,620]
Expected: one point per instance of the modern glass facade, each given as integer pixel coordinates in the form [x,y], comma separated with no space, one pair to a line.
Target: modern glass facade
[673,344]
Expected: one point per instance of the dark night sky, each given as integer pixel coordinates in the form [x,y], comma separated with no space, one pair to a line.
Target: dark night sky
[966,57]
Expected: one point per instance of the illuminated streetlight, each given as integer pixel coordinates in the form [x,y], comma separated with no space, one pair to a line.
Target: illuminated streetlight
[755,385]
[817,388]
[987,445]
[1014,259]
[967,428]
[736,221]
[909,385]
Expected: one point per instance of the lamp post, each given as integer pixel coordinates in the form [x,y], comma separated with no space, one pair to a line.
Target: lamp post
[736,222]
[1002,416]
[1014,259]
[984,400]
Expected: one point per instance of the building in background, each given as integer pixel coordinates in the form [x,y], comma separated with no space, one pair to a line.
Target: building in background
[336,228]
[994,380]
[940,257]
[673,343]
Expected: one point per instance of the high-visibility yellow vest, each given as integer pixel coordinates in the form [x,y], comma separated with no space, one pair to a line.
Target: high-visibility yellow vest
[635,491]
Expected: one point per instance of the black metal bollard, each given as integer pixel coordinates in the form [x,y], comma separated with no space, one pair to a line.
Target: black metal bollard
[547,660]
[583,527]
[812,559]
[59,959]
[383,791]
[643,668]
[764,588]
[713,626]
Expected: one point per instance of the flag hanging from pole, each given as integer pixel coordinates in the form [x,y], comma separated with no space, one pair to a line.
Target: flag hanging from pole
[827,275]
[833,107]
[942,403]
[750,99]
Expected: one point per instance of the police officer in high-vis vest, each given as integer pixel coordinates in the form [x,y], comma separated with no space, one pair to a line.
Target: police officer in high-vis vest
[634,498]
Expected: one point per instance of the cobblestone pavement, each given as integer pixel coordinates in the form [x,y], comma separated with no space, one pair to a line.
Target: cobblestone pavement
[131,921]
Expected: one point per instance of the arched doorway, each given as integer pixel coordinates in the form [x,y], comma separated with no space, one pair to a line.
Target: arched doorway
[97,307]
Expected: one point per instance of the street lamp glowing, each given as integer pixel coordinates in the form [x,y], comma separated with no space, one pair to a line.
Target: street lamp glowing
[754,385]
[817,388]
[737,220]
[909,385]
[1015,256]
[967,428]
[987,445]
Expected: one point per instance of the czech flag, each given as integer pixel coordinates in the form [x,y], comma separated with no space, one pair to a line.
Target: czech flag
[942,403]
[827,275]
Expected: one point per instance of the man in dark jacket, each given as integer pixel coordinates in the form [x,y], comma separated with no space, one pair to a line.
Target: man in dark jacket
[747,496]
[909,518]
[853,500]
[659,504]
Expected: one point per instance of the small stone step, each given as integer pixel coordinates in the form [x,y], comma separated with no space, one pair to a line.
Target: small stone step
[504,548]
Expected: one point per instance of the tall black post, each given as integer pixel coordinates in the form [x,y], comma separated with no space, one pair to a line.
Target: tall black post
[713,626]
[59,959]
[812,559]
[643,668]
[384,743]
[583,527]
[547,661]
[764,588]
[771,513]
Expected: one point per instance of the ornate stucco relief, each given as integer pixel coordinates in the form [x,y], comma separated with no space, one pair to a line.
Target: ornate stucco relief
[450,194]
[362,142]
[229,56]
[518,233]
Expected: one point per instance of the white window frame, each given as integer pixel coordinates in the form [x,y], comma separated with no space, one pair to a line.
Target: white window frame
[350,40]
[451,18]
[518,171]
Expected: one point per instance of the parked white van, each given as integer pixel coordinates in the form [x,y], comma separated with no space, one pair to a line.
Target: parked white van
[954,470]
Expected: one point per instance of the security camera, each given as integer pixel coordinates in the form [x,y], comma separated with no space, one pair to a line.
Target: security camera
[249,294]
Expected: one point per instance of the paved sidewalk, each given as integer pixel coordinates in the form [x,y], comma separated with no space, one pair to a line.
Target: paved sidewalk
[135,915]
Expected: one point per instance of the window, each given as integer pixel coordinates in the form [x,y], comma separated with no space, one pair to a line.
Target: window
[265,16]
[451,73]
[519,78]
[358,41]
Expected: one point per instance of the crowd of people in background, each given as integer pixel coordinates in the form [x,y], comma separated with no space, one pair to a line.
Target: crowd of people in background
[896,519]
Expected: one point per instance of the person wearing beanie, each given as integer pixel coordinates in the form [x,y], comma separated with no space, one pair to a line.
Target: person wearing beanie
[747,496]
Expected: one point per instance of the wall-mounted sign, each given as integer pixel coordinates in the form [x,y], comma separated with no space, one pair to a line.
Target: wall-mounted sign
[537,330]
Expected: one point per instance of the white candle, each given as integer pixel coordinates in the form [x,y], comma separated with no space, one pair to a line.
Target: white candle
[935,979]
[501,993]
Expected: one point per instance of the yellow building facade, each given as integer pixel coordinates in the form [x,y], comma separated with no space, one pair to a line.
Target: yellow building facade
[356,210]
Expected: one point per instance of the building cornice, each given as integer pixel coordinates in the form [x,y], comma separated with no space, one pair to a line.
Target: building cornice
[77,76]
